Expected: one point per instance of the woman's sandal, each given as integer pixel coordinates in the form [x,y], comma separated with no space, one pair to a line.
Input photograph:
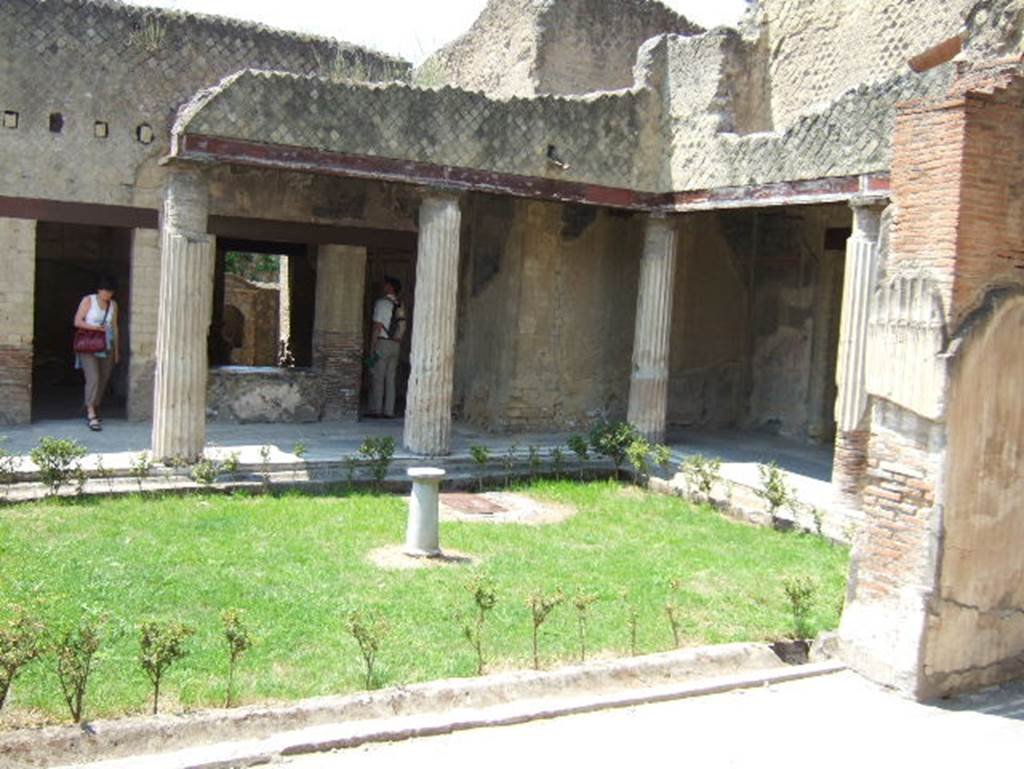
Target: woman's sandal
[94,424]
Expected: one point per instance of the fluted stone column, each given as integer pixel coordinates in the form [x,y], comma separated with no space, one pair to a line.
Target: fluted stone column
[428,410]
[859,280]
[183,319]
[648,385]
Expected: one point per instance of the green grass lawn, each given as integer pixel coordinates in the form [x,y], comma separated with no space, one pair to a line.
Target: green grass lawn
[295,564]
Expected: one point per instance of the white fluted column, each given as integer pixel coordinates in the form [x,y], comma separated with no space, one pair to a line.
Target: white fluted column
[859,280]
[428,410]
[648,384]
[183,319]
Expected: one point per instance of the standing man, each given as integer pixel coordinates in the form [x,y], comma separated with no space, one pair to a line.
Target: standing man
[385,344]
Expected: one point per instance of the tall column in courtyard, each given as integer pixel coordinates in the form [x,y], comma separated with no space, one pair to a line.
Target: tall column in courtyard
[428,410]
[183,319]
[648,384]
[859,282]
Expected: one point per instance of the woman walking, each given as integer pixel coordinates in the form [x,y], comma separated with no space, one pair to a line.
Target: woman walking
[97,313]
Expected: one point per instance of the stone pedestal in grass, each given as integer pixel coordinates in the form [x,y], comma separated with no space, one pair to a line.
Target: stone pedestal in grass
[421,535]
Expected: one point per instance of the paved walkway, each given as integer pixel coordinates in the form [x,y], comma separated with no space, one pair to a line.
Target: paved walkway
[834,721]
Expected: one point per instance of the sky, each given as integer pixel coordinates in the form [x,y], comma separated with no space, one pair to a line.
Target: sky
[411,29]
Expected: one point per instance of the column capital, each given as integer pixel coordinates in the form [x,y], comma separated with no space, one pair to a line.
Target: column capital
[663,219]
[440,195]
[859,202]
[186,200]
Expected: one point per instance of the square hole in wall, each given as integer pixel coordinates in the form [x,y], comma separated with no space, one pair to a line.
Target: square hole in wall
[10,119]
[100,129]
[144,133]
[56,122]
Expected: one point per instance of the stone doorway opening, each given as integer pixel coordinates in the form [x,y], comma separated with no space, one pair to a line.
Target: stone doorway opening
[69,260]
[400,264]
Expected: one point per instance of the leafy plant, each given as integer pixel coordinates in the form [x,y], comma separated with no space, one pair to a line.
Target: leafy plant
[642,454]
[485,597]
[229,464]
[161,644]
[104,474]
[140,468]
[205,471]
[508,462]
[265,452]
[533,457]
[351,464]
[369,631]
[700,474]
[378,452]
[673,611]
[799,592]
[541,606]
[632,619]
[481,455]
[236,633]
[818,516]
[21,642]
[8,468]
[75,651]
[59,461]
[579,446]
[582,601]
[558,462]
[299,449]
[612,440]
[774,490]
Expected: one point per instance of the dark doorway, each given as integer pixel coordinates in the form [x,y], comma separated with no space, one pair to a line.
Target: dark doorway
[69,259]
[401,264]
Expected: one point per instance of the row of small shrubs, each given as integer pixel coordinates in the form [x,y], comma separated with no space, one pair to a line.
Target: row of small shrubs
[71,652]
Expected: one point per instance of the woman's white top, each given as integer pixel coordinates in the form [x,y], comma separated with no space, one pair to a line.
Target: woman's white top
[95,315]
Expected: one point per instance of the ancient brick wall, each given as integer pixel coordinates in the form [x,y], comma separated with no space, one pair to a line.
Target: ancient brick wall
[17,263]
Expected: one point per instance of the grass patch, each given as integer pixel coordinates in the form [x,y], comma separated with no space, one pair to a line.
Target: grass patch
[296,564]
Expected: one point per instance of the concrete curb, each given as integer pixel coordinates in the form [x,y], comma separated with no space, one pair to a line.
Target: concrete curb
[340,736]
[113,739]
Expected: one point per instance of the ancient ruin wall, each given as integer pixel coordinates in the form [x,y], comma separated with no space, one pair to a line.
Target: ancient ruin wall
[112,76]
[532,47]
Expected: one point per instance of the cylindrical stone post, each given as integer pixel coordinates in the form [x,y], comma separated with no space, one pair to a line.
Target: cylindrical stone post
[421,535]
[428,410]
[648,384]
[183,319]
[859,280]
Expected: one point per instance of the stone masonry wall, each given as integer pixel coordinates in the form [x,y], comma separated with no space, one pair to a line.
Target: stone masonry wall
[17,262]
[145,291]
[115,74]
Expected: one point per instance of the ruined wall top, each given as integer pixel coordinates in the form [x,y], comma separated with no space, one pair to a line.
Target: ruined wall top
[532,47]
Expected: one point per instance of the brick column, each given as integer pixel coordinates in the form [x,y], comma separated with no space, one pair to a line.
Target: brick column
[183,319]
[17,307]
[860,278]
[428,411]
[338,328]
[648,384]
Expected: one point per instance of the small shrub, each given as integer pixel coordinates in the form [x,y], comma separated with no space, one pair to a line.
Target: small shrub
[161,644]
[642,455]
[239,641]
[508,462]
[229,464]
[533,457]
[351,464]
[8,469]
[140,468]
[632,619]
[205,472]
[265,452]
[701,473]
[21,642]
[818,516]
[59,461]
[558,462]
[673,611]
[541,606]
[579,446]
[485,597]
[299,449]
[378,452]
[481,455]
[582,601]
[75,651]
[612,440]
[774,490]
[800,594]
[369,631]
